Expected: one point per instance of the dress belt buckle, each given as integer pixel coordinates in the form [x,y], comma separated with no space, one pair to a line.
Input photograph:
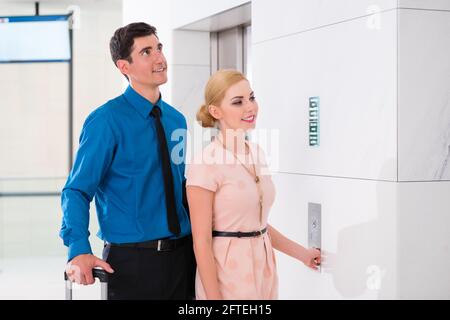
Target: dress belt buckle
[160,247]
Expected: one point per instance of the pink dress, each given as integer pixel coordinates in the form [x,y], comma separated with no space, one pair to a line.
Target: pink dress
[246,267]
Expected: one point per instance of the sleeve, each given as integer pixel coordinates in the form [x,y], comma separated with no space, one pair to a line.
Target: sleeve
[202,175]
[92,161]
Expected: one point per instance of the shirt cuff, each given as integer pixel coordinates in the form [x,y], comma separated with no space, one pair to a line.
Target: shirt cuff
[78,247]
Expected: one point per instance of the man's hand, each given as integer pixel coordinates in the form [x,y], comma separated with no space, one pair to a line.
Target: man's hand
[79,269]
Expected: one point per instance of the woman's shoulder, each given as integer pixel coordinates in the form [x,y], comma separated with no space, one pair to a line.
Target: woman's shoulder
[259,155]
[207,155]
[257,149]
[202,170]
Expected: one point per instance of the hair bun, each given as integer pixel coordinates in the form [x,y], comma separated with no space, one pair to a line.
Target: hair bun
[205,118]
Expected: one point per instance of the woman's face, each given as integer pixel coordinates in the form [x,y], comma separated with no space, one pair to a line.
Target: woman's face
[238,109]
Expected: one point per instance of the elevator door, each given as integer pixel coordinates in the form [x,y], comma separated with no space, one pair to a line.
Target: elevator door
[231,49]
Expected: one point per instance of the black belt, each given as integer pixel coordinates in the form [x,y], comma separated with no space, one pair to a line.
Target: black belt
[239,234]
[159,245]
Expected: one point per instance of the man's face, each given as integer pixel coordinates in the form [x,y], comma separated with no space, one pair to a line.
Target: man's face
[148,66]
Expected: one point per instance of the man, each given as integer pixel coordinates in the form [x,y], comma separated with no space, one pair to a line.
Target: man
[124,159]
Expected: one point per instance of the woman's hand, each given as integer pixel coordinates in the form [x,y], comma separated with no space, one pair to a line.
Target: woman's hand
[312,258]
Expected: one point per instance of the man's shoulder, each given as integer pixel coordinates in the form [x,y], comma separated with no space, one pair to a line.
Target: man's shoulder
[106,110]
[111,106]
[174,112]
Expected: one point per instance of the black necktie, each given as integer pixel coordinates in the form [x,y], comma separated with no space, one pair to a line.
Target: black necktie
[172,218]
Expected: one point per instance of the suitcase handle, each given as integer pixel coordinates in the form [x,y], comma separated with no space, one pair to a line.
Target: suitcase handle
[101,274]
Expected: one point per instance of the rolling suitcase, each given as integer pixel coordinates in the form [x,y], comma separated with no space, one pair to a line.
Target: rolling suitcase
[102,275]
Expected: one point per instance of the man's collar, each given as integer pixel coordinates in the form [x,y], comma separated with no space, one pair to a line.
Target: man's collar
[141,104]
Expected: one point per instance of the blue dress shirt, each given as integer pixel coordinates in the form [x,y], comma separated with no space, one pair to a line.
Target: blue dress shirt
[119,163]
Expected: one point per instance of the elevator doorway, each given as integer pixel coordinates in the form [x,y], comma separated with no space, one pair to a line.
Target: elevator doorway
[231,49]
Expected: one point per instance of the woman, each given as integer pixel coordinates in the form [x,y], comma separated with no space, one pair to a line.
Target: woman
[229,200]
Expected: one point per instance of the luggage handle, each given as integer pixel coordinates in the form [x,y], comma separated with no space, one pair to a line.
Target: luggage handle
[101,274]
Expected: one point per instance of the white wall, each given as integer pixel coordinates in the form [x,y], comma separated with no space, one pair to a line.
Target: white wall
[427,4]
[39,118]
[190,70]
[187,52]
[383,83]
[34,125]
[378,73]
[353,70]
[304,15]
[424,95]
[186,12]
[423,233]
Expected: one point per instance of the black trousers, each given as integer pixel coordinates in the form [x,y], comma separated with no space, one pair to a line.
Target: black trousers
[143,273]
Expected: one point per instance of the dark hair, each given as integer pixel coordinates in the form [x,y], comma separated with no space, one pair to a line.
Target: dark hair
[121,43]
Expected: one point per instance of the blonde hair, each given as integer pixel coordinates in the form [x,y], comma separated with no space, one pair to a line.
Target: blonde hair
[215,90]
